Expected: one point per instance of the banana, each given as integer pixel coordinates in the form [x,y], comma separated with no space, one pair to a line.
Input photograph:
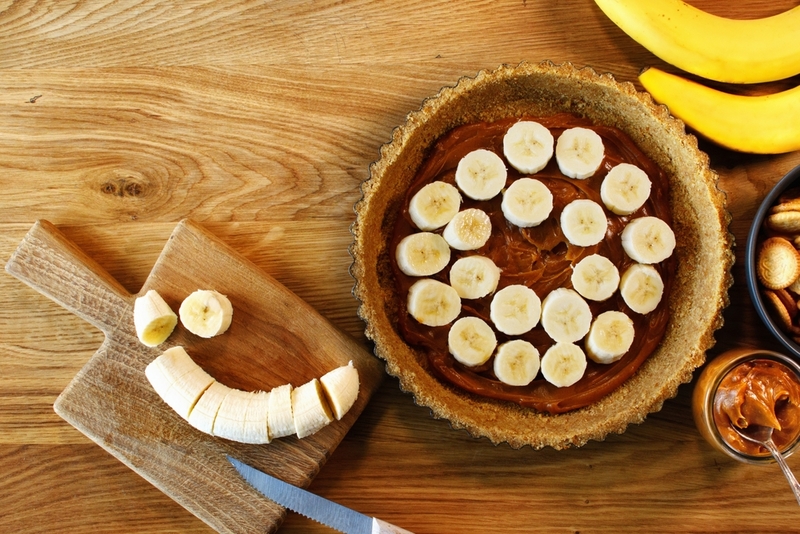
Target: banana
[515,309]
[255,426]
[625,189]
[579,152]
[528,146]
[433,303]
[527,202]
[641,288]
[279,417]
[153,319]
[595,277]
[474,277]
[516,363]
[341,389]
[434,205]
[205,411]
[471,341]
[422,254]
[469,229]
[178,380]
[584,222]
[230,420]
[563,364]
[766,124]
[206,313]
[566,317]
[716,48]
[481,174]
[309,409]
[648,240]
[610,337]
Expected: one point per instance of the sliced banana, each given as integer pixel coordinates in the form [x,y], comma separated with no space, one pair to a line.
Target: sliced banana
[563,364]
[205,411]
[527,202]
[648,240]
[474,277]
[481,174]
[516,363]
[584,222]
[528,146]
[178,380]
[579,152]
[433,303]
[255,427]
[515,309]
[206,313]
[310,410]
[229,422]
[566,317]
[625,189]
[153,319]
[471,341]
[341,389]
[434,205]
[641,288]
[610,337]
[595,277]
[422,254]
[469,229]
[279,417]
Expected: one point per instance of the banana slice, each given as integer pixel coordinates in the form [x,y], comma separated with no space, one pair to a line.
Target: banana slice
[178,380]
[648,240]
[206,313]
[229,422]
[610,337]
[527,202]
[422,254]
[153,319]
[641,288]
[255,427]
[584,222]
[434,205]
[566,317]
[474,277]
[579,152]
[563,364]
[471,341]
[625,189]
[515,309]
[279,416]
[481,174]
[595,277]
[205,411]
[341,389]
[433,303]
[310,410]
[516,363]
[469,229]
[528,146]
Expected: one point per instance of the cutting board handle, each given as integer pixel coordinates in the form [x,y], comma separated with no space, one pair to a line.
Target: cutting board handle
[50,263]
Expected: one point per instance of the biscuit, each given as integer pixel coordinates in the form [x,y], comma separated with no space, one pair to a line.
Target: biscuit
[779,308]
[785,221]
[778,263]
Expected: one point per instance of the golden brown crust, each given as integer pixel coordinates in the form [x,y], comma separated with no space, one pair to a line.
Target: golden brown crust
[700,219]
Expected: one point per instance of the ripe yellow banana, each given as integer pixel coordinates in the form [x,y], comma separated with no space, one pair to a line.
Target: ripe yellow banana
[768,124]
[717,48]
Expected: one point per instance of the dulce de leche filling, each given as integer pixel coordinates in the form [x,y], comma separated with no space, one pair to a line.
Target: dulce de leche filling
[541,258]
[759,392]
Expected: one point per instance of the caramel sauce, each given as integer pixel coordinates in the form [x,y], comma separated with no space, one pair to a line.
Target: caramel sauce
[540,258]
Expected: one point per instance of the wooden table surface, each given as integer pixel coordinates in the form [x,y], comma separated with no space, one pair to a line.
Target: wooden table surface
[259,120]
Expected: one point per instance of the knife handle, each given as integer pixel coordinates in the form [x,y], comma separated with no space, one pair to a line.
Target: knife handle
[382,527]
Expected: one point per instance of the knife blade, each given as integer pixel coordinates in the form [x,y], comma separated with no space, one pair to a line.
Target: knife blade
[313,506]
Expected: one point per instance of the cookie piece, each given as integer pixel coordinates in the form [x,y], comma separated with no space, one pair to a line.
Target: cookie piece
[778,263]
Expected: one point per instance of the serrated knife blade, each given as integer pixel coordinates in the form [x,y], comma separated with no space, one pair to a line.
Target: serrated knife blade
[318,508]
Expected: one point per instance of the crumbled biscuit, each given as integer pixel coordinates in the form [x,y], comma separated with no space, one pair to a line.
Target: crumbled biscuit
[778,263]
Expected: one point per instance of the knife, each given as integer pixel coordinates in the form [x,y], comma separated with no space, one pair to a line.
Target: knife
[313,506]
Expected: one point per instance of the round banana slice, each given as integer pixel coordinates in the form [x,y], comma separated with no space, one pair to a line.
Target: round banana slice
[434,205]
[206,313]
[474,277]
[610,337]
[648,240]
[563,364]
[153,319]
[471,341]
[516,363]
[528,146]
[625,189]
[481,174]
[584,222]
[595,277]
[515,309]
[566,317]
[469,229]
[641,288]
[527,202]
[579,152]
[422,254]
[433,303]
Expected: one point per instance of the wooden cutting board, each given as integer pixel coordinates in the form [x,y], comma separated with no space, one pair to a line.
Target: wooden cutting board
[275,338]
